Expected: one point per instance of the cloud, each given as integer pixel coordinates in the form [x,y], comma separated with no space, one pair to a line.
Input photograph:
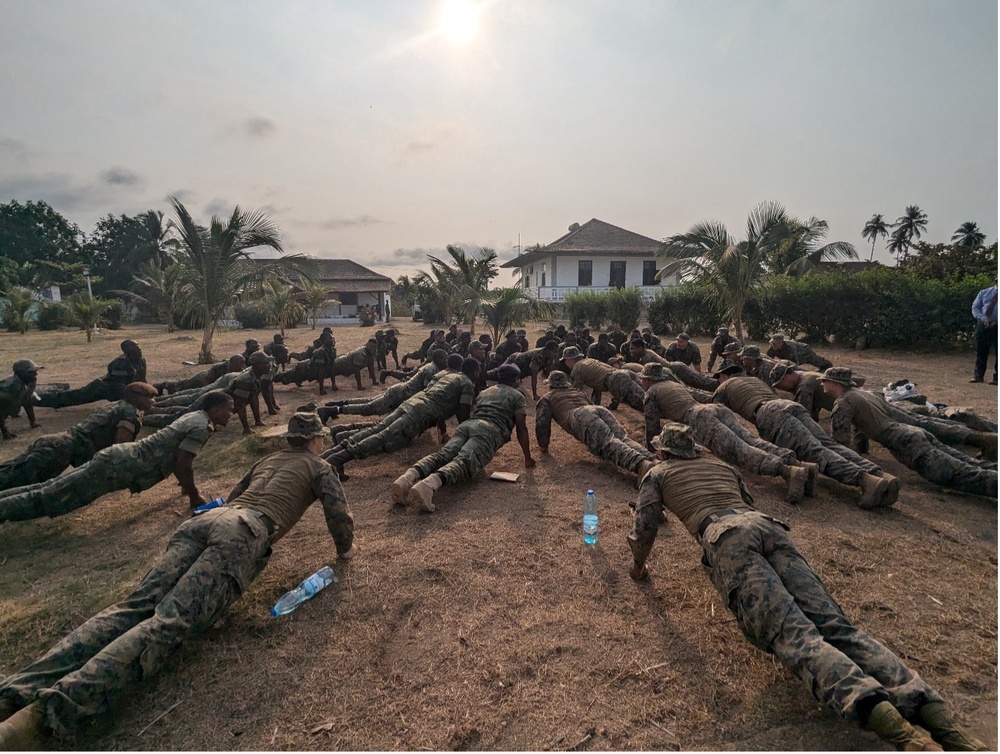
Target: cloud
[121,177]
[57,189]
[182,195]
[219,207]
[419,146]
[336,223]
[259,127]
[14,151]
[405,257]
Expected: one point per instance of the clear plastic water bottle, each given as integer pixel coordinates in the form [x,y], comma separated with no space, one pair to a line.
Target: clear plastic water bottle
[307,589]
[590,518]
[215,502]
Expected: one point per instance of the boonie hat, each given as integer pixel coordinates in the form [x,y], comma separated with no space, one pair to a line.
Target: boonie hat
[781,369]
[558,379]
[729,368]
[732,348]
[676,439]
[840,375]
[654,371]
[306,425]
[571,352]
[778,337]
[750,352]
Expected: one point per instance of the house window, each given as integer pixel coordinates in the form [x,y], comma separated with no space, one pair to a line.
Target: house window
[543,274]
[649,272]
[348,299]
[617,275]
[586,274]
[527,281]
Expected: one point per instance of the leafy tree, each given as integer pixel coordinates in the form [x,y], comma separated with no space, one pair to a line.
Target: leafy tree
[403,289]
[163,291]
[874,229]
[316,298]
[119,246]
[968,234]
[281,302]
[217,266]
[797,247]
[907,228]
[940,261]
[512,307]
[462,282]
[32,233]
[731,272]
[86,313]
[20,301]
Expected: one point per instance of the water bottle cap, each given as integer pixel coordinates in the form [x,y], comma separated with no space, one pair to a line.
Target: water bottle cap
[590,492]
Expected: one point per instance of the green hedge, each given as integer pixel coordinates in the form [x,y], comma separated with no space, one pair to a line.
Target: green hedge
[52,316]
[116,314]
[621,305]
[683,308]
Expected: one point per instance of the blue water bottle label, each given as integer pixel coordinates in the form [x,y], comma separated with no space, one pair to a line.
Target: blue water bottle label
[215,502]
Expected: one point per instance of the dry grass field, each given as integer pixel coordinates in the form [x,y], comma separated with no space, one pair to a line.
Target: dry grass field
[489,624]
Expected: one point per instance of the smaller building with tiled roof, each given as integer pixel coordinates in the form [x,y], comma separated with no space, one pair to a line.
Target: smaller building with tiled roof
[353,286]
[596,256]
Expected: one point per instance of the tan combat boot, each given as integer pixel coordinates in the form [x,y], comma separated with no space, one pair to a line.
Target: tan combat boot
[886,722]
[796,477]
[401,487]
[812,472]
[987,441]
[892,494]
[421,494]
[22,731]
[946,731]
[874,491]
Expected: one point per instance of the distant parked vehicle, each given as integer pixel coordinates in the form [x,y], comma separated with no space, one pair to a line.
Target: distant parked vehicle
[418,316]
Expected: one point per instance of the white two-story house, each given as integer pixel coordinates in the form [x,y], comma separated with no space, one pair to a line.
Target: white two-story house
[595,256]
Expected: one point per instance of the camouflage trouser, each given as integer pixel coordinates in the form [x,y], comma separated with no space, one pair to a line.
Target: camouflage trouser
[966,416]
[98,390]
[167,417]
[808,356]
[180,398]
[394,432]
[179,386]
[401,374]
[718,429]
[73,490]
[693,378]
[473,445]
[45,458]
[381,404]
[304,371]
[624,387]
[936,462]
[788,424]
[343,432]
[597,428]
[783,608]
[209,561]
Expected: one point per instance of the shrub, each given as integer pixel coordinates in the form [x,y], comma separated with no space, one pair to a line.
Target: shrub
[252,316]
[624,307]
[587,308]
[52,316]
[115,314]
[366,317]
[683,308]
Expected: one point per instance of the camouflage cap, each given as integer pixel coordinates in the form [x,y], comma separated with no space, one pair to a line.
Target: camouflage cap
[683,336]
[253,343]
[728,368]
[306,425]
[558,379]
[571,352]
[676,439]
[257,357]
[723,331]
[781,369]
[654,371]
[778,337]
[510,334]
[840,375]
[733,348]
[26,365]
[279,338]
[750,352]
[476,346]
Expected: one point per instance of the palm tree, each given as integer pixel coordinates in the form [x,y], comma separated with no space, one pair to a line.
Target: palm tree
[163,291]
[161,243]
[316,298]
[88,313]
[15,309]
[968,234]
[907,228]
[465,282]
[733,271]
[509,307]
[217,265]
[280,301]
[798,248]
[874,228]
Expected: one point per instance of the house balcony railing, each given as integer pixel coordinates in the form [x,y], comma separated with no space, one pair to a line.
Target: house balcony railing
[557,293]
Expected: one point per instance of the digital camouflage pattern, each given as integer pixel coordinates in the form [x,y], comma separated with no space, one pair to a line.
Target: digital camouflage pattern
[799,353]
[718,347]
[134,466]
[961,414]
[393,396]
[689,356]
[719,429]
[602,351]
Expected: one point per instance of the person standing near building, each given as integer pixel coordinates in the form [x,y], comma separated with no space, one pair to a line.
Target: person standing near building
[984,309]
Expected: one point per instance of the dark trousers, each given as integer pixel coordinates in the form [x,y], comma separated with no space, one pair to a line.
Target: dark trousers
[986,341]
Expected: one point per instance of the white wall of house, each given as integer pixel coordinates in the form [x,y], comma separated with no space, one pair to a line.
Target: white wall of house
[564,270]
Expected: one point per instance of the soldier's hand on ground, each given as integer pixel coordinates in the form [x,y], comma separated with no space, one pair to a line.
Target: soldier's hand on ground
[639,573]
[349,554]
[529,463]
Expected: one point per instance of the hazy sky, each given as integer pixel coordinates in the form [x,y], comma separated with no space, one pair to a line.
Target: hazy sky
[378,130]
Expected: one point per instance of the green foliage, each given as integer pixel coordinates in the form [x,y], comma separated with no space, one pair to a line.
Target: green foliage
[52,316]
[87,314]
[512,307]
[116,314]
[120,247]
[16,308]
[939,261]
[890,308]
[366,316]
[32,234]
[587,308]
[688,307]
[282,303]
[455,288]
[163,291]
[252,316]
[315,298]
[624,307]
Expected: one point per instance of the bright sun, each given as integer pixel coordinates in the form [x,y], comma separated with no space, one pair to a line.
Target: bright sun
[459,20]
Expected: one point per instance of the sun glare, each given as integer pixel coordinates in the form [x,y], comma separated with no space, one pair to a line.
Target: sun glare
[459,20]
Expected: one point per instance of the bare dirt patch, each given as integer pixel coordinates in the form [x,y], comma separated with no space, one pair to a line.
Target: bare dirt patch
[489,624]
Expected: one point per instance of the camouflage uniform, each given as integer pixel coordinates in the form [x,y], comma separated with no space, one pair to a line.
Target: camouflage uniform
[199,380]
[135,466]
[504,351]
[111,387]
[438,402]
[50,455]
[780,604]
[713,426]
[316,367]
[240,386]
[787,424]
[602,351]
[718,346]
[682,371]
[912,446]
[690,356]
[353,362]
[16,393]
[209,561]
[393,396]
[594,426]
[961,414]
[598,376]
[617,339]
[476,440]
[799,353]
[278,351]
